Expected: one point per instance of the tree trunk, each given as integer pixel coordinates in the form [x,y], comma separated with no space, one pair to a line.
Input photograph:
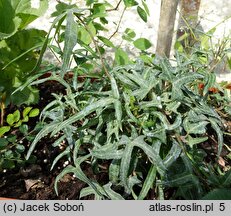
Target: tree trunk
[166,27]
[189,13]
[188,23]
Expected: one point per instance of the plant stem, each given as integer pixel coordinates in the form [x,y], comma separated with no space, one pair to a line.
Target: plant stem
[116,7]
[117,28]
[96,46]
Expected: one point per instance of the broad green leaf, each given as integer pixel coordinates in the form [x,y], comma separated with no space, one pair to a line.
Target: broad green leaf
[129,34]
[24,129]
[20,148]
[4,129]
[89,2]
[26,13]
[130,3]
[99,10]
[18,124]
[148,183]
[70,41]
[26,111]
[121,57]
[142,13]
[3,142]
[16,115]
[24,7]
[86,34]
[142,43]
[9,21]
[34,112]
[10,119]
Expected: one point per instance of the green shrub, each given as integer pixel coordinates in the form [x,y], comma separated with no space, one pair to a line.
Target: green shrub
[147,120]
[15,130]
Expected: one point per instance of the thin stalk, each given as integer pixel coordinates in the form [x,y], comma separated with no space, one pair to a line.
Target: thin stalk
[117,28]
[96,45]
[116,7]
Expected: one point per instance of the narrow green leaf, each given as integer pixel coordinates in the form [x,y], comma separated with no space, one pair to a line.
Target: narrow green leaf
[58,157]
[107,152]
[79,174]
[146,8]
[148,183]
[114,87]
[125,164]
[210,81]
[111,193]
[83,113]
[216,127]
[142,13]
[114,171]
[42,133]
[106,41]
[70,41]
[173,154]
[151,153]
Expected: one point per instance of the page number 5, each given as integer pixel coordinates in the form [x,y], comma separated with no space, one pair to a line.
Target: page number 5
[222,207]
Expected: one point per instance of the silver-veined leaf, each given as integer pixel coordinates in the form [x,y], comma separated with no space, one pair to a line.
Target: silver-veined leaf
[69,41]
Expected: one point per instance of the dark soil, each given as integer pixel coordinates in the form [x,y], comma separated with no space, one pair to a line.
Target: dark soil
[36,181]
